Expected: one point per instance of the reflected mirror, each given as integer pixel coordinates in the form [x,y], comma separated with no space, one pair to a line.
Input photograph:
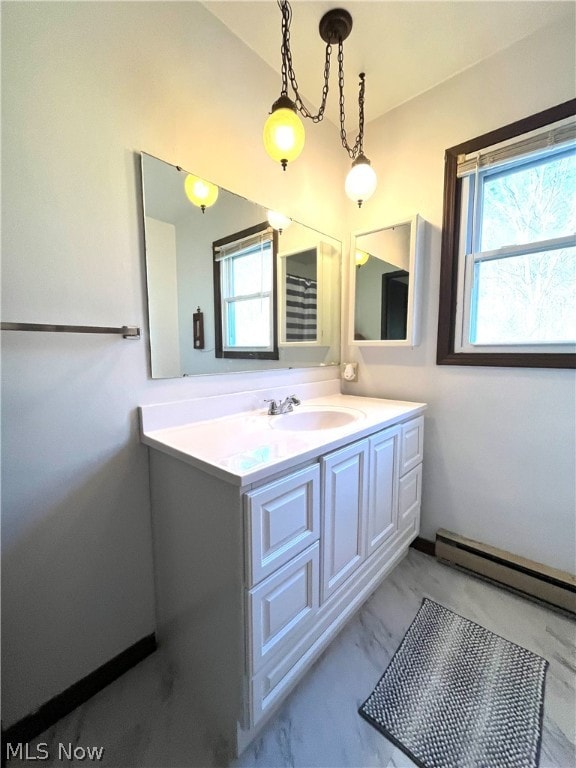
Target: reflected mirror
[229,293]
[385,283]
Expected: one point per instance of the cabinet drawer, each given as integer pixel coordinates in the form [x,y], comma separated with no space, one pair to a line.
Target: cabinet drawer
[409,496]
[282,606]
[283,519]
[411,444]
[271,684]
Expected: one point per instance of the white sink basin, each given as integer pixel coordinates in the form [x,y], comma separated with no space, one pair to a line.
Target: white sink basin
[315,417]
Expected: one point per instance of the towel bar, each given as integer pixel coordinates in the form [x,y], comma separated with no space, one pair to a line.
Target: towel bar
[127,331]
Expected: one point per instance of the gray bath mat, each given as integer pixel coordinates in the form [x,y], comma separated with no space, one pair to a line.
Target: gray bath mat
[458,696]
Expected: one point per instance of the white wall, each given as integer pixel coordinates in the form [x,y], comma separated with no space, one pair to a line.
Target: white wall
[500,453]
[85,87]
[162,284]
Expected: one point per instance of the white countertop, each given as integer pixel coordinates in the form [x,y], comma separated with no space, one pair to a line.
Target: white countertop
[245,447]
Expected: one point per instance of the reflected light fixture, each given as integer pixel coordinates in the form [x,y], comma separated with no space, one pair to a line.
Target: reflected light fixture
[201,193]
[278,221]
[284,130]
[361,257]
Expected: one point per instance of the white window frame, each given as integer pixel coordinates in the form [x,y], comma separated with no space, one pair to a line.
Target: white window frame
[225,251]
[470,255]
[229,298]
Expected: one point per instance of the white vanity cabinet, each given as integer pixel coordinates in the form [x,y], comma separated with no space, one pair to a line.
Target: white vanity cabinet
[253,580]
[319,526]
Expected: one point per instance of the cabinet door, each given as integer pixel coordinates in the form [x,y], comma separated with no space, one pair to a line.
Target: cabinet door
[383,495]
[410,496]
[345,475]
[283,519]
[412,444]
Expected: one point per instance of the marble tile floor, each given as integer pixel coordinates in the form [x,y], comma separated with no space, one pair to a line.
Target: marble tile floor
[145,719]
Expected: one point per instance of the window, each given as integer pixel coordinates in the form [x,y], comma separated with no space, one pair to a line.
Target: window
[245,294]
[508,275]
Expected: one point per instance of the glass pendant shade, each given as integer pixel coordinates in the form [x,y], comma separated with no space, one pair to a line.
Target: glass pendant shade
[361,180]
[283,132]
[278,221]
[201,193]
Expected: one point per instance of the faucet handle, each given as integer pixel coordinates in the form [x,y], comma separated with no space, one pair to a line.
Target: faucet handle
[273,407]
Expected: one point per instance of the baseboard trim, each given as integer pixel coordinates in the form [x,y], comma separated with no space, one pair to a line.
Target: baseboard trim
[424,545]
[56,708]
[527,577]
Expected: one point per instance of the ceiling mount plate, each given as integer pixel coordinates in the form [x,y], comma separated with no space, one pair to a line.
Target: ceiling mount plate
[335,25]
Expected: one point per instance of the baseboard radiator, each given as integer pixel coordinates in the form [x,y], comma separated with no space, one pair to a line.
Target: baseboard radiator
[535,580]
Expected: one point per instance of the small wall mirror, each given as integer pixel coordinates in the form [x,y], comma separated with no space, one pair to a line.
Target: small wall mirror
[385,284]
[226,291]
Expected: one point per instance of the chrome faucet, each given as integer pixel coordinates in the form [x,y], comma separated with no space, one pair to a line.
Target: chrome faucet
[283,406]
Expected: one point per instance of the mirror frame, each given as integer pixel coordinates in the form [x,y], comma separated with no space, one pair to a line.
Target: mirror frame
[412,339]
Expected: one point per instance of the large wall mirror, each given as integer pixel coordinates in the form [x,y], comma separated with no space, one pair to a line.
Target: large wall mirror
[385,284]
[227,292]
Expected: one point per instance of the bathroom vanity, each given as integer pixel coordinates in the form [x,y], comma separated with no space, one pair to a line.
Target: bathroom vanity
[270,532]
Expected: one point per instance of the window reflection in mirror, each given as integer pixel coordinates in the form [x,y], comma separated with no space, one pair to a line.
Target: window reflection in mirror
[384,282]
[180,281]
[245,294]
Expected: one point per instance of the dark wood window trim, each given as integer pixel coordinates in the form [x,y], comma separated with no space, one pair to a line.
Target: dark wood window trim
[449,252]
[272,354]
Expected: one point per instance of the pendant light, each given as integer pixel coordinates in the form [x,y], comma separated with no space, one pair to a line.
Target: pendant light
[284,131]
[278,221]
[361,180]
[201,193]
